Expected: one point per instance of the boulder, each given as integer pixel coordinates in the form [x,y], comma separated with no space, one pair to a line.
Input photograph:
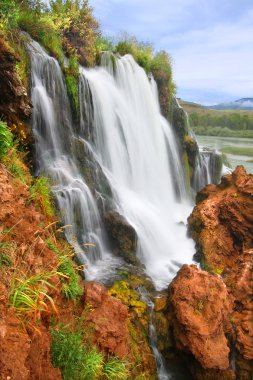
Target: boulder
[123,236]
[199,303]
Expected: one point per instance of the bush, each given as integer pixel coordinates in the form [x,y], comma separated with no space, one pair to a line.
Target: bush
[43,29]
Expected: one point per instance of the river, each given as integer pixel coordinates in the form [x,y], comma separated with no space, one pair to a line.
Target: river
[219,143]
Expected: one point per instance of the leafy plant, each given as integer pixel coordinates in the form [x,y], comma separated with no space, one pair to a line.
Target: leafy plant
[41,192]
[30,295]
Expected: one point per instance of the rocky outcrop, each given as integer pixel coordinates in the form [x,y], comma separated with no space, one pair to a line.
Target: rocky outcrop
[123,236]
[14,101]
[200,309]
[115,329]
[222,226]
[109,317]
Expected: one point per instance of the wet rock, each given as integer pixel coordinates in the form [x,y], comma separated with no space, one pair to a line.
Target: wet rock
[199,304]
[123,236]
[93,175]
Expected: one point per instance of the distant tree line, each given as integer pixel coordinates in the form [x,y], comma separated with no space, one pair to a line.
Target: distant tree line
[234,121]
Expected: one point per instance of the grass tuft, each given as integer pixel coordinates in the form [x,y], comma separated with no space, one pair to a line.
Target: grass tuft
[41,192]
[30,295]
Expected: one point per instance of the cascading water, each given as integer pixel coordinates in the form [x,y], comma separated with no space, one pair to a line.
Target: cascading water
[53,132]
[134,148]
[137,151]
[208,163]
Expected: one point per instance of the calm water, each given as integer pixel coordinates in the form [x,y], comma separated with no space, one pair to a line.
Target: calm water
[219,143]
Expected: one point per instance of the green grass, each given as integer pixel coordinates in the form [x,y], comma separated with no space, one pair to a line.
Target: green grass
[6,139]
[69,354]
[40,191]
[69,276]
[78,361]
[115,369]
[238,151]
[30,295]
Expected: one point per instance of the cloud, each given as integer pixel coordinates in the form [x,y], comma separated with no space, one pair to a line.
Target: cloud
[210,41]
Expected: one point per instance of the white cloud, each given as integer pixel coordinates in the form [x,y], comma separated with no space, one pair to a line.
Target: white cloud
[210,41]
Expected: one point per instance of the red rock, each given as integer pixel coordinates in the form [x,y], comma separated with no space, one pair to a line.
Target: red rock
[109,318]
[199,304]
[222,226]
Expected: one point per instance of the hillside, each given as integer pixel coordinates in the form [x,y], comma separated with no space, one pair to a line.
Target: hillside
[240,104]
[213,122]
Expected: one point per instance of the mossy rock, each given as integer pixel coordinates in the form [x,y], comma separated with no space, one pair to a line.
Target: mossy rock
[129,297]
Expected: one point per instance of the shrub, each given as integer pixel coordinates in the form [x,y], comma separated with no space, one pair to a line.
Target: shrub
[42,28]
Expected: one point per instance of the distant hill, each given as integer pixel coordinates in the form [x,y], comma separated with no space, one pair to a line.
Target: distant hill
[240,104]
[226,122]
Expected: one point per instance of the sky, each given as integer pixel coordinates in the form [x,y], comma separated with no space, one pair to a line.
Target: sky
[210,41]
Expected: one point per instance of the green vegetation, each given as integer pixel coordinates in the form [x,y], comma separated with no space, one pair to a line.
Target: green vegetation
[41,192]
[71,77]
[115,369]
[77,361]
[9,154]
[5,258]
[6,139]
[223,123]
[238,151]
[69,276]
[30,295]
[159,64]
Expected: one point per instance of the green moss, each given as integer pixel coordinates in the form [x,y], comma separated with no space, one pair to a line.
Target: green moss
[72,89]
[129,297]
[187,170]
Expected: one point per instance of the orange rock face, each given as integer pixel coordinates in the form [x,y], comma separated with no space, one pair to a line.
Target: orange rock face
[222,226]
[109,317]
[200,305]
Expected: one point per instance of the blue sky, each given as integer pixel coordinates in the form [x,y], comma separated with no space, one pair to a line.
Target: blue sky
[210,41]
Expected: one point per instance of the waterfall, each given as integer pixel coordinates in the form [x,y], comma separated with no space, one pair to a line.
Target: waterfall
[132,150]
[55,157]
[208,166]
[137,151]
